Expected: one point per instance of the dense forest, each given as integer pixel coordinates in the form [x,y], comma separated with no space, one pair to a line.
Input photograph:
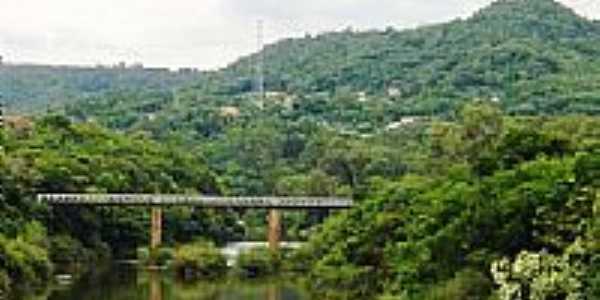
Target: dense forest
[38,88]
[499,205]
[533,57]
[471,149]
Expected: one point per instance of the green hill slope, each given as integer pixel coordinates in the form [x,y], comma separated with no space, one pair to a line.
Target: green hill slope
[514,50]
[30,88]
[533,57]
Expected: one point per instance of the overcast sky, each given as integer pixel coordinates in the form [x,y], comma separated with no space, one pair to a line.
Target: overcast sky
[205,34]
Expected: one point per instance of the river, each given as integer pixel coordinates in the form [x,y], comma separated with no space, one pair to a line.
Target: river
[128,283]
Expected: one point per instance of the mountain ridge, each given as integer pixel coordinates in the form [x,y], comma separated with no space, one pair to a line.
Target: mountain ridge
[356,81]
[501,21]
[533,57]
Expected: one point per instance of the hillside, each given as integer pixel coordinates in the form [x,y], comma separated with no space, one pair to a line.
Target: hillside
[528,53]
[533,57]
[31,88]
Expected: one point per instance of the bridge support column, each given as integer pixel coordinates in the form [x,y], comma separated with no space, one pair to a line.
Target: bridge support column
[274,231]
[156,229]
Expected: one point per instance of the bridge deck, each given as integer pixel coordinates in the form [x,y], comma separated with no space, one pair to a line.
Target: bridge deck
[191,200]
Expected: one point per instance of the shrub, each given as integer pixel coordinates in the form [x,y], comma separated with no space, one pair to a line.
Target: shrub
[158,257]
[67,250]
[541,275]
[353,282]
[199,260]
[34,233]
[163,256]
[143,255]
[4,283]
[298,260]
[592,278]
[258,262]
[467,284]
[24,263]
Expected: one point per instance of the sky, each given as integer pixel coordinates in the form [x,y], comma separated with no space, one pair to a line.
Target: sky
[204,34]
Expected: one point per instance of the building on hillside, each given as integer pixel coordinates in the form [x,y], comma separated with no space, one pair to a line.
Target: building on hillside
[404,121]
[229,112]
[361,97]
[281,98]
[394,92]
[151,116]
[19,124]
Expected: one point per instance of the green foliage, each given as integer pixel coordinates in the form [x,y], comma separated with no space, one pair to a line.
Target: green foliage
[432,132]
[143,255]
[482,127]
[466,284]
[58,156]
[164,255]
[419,233]
[592,280]
[67,250]
[199,260]
[158,257]
[511,53]
[37,88]
[258,263]
[539,276]
[345,281]
[5,283]
[24,259]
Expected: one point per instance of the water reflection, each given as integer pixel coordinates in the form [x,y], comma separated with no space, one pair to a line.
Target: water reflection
[156,292]
[273,293]
[130,284]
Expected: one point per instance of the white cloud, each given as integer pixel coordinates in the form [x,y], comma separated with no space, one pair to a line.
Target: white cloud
[201,33]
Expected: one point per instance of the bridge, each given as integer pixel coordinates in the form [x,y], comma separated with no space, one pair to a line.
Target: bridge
[157,201]
[198,201]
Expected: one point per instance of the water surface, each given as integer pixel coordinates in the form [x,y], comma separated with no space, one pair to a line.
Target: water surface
[127,283]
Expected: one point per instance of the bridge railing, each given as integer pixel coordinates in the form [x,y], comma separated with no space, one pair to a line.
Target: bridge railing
[195,200]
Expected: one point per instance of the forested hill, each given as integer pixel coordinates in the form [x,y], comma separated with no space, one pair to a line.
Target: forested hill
[533,55]
[30,88]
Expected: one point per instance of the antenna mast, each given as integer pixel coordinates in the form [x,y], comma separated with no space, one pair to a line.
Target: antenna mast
[1,117]
[260,76]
